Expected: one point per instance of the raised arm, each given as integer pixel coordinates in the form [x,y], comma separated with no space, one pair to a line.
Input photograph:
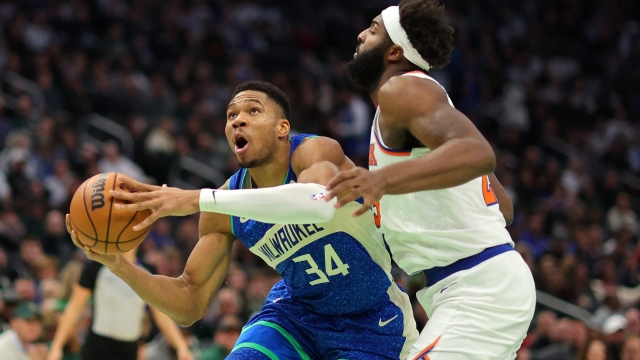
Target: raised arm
[185,298]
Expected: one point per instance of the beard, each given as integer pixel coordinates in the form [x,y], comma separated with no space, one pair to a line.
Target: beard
[365,70]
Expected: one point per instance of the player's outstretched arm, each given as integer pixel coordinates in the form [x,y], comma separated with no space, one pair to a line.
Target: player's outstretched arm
[205,270]
[315,162]
[504,200]
[459,153]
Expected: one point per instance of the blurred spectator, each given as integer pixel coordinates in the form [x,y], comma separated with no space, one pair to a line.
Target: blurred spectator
[19,343]
[225,337]
[551,85]
[631,348]
[113,161]
[621,216]
[595,350]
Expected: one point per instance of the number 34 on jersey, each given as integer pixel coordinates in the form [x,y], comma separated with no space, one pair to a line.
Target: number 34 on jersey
[333,265]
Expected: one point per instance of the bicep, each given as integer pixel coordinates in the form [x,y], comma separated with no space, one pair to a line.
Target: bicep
[209,261]
[440,123]
[421,108]
[317,150]
[208,265]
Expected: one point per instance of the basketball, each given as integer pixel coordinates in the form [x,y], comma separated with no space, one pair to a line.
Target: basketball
[98,224]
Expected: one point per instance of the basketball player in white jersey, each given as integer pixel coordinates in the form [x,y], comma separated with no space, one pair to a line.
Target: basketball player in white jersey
[430,182]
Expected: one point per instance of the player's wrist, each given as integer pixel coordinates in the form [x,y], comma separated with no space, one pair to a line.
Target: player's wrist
[206,199]
[383,180]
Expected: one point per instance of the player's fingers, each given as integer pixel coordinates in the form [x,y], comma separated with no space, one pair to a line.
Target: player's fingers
[137,185]
[139,206]
[135,197]
[340,177]
[67,223]
[74,239]
[344,186]
[363,209]
[347,198]
[147,222]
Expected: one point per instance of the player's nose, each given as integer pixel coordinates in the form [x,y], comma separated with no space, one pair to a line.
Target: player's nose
[362,36]
[239,121]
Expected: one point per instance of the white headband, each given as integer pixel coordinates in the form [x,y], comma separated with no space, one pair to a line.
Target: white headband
[391,18]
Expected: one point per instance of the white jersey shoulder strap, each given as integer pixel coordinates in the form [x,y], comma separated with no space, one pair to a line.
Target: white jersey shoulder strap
[422,75]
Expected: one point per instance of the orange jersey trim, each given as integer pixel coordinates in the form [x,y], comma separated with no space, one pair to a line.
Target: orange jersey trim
[423,355]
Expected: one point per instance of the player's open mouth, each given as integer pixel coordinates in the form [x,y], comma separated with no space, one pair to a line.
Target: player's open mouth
[241,144]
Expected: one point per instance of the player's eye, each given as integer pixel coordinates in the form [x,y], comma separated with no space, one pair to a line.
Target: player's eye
[231,116]
[255,111]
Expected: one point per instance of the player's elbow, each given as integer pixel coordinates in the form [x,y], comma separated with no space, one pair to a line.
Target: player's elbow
[189,317]
[487,160]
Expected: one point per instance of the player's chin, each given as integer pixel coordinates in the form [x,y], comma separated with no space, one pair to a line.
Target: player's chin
[246,161]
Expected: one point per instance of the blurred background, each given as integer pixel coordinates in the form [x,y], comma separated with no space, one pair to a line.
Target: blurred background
[141,87]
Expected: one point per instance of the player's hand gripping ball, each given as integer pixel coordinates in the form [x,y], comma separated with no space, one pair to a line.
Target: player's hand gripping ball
[98,224]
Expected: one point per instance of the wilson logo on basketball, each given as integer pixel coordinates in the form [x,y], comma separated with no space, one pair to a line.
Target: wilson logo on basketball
[97,196]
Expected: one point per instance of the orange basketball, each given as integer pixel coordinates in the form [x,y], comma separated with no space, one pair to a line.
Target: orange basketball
[98,224]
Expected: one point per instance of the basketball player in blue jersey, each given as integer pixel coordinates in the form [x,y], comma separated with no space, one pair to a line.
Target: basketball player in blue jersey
[336,299]
[441,210]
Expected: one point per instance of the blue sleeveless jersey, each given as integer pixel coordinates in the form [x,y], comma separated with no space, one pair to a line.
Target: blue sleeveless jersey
[333,268]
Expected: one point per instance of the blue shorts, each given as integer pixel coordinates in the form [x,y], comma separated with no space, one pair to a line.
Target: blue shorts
[284,329]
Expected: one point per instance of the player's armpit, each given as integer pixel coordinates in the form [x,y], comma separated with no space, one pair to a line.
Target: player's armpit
[316,150]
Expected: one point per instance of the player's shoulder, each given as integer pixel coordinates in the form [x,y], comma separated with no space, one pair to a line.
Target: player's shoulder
[316,149]
[410,93]
[314,143]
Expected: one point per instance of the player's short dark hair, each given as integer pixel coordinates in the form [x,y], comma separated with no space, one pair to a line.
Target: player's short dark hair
[425,24]
[273,92]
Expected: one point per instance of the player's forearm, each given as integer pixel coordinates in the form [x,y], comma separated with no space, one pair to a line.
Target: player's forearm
[180,299]
[286,204]
[166,294]
[454,163]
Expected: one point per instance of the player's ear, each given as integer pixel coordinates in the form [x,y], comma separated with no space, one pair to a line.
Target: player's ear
[395,53]
[283,127]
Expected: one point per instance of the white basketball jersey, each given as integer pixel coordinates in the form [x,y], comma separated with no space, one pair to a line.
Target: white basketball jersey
[433,228]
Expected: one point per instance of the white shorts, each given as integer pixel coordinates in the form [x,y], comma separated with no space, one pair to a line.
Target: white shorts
[480,313]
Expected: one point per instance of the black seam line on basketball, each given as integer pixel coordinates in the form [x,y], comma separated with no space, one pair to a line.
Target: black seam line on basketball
[83,233]
[115,180]
[123,229]
[84,200]
[123,242]
[135,238]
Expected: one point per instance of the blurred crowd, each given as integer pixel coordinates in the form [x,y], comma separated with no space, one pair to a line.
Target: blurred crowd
[552,84]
